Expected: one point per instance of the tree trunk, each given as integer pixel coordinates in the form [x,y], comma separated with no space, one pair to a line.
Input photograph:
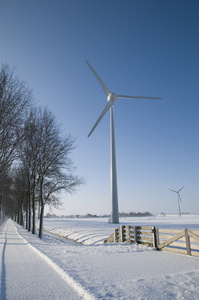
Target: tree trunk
[33,208]
[41,222]
[29,213]
[42,208]
[27,218]
[39,210]
[1,208]
[18,216]
[21,218]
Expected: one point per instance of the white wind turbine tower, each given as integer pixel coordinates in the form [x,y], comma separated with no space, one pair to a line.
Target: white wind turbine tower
[179,198]
[111,98]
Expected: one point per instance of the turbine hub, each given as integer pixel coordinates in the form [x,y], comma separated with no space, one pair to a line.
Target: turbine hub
[112,97]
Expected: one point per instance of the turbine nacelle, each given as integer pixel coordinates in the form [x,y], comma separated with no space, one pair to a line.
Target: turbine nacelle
[112,97]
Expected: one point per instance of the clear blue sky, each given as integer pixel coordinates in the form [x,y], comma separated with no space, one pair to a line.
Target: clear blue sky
[146,48]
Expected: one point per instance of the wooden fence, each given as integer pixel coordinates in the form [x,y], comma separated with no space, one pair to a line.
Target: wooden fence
[180,241]
[131,234]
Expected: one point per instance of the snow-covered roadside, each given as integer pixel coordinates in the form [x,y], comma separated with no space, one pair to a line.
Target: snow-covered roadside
[121,271]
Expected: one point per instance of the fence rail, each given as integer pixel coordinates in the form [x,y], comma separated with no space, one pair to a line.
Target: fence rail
[180,241]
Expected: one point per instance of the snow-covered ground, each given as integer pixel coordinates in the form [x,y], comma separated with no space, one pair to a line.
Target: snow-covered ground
[118,271]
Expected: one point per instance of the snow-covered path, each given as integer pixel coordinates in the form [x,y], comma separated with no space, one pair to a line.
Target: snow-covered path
[25,274]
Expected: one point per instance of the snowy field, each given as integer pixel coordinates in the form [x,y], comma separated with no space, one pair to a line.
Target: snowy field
[118,271]
[93,231]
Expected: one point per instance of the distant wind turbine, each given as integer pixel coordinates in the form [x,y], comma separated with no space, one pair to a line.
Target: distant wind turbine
[111,98]
[179,198]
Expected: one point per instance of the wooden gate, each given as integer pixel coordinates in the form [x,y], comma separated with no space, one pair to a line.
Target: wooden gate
[184,241]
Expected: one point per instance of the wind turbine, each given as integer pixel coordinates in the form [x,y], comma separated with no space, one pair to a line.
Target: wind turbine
[111,98]
[179,198]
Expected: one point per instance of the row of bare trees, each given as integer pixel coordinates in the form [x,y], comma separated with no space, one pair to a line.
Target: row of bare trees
[35,162]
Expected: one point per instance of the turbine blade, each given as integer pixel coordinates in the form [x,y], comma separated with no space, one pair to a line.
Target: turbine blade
[108,105]
[106,90]
[180,198]
[136,97]
[172,191]
[181,189]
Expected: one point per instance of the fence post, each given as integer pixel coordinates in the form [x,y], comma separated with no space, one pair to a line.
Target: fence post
[135,235]
[155,245]
[187,241]
[157,237]
[122,233]
[115,236]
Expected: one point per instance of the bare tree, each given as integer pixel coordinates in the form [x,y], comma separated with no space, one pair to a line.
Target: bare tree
[55,168]
[45,154]
[5,193]
[28,153]
[14,99]
[20,191]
